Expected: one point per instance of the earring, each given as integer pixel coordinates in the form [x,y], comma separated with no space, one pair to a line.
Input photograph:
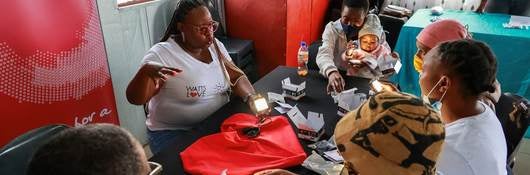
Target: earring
[182,36]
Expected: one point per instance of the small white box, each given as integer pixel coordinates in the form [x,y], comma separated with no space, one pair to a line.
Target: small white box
[349,100]
[389,65]
[311,128]
[293,91]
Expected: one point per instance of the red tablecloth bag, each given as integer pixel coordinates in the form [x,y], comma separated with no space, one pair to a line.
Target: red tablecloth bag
[276,147]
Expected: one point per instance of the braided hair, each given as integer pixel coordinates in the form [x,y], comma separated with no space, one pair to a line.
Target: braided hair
[182,10]
[473,62]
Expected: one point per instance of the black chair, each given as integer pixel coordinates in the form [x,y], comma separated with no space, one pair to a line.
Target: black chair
[241,51]
[513,113]
[392,26]
[16,155]
[313,51]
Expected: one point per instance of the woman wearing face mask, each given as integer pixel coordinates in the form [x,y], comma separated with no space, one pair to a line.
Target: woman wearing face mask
[442,31]
[335,39]
[454,74]
[185,77]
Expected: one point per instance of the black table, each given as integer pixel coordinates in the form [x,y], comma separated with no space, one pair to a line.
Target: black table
[316,100]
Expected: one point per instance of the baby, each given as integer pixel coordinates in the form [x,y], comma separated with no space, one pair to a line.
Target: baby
[374,58]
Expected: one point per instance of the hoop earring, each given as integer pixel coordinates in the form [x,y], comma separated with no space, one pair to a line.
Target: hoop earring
[182,37]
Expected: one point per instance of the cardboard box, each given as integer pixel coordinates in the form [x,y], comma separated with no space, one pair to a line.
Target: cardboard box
[311,128]
[293,91]
[349,100]
[389,64]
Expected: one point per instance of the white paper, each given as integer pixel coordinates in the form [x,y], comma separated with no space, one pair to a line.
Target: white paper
[315,120]
[334,155]
[358,99]
[282,110]
[316,163]
[370,62]
[350,100]
[274,97]
[519,20]
[284,105]
[349,91]
[224,172]
[297,117]
[397,67]
[343,97]
[335,96]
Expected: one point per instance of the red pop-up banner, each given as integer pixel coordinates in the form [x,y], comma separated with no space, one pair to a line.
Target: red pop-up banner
[53,66]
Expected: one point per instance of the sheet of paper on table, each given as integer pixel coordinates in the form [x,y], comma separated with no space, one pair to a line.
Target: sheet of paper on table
[297,117]
[333,155]
[519,20]
[274,97]
[284,105]
[282,110]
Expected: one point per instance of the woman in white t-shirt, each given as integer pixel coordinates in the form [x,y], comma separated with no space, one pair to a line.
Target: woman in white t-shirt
[454,74]
[182,78]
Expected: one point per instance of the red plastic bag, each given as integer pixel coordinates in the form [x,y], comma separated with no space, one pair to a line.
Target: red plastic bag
[233,152]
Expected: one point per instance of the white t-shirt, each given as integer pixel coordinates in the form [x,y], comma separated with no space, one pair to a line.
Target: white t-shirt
[191,96]
[474,146]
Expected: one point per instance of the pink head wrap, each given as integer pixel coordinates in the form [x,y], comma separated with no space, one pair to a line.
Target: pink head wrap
[442,31]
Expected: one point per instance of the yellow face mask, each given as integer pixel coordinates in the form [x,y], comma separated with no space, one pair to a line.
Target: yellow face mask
[418,63]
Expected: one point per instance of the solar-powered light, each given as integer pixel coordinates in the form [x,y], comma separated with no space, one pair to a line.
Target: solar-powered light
[379,86]
[259,105]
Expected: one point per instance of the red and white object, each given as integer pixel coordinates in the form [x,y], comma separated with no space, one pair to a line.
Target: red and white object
[53,66]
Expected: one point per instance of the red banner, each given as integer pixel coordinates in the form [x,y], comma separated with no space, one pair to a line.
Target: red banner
[53,66]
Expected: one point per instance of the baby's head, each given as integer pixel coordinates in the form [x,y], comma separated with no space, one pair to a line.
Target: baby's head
[369,42]
[371,33]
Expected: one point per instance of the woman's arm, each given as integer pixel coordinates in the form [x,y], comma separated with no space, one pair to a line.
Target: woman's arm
[238,80]
[147,81]
[244,89]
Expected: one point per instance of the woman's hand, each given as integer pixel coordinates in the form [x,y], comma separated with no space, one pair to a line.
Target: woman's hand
[274,172]
[148,81]
[335,82]
[158,71]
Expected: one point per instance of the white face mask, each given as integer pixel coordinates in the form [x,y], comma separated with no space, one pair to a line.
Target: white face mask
[436,104]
